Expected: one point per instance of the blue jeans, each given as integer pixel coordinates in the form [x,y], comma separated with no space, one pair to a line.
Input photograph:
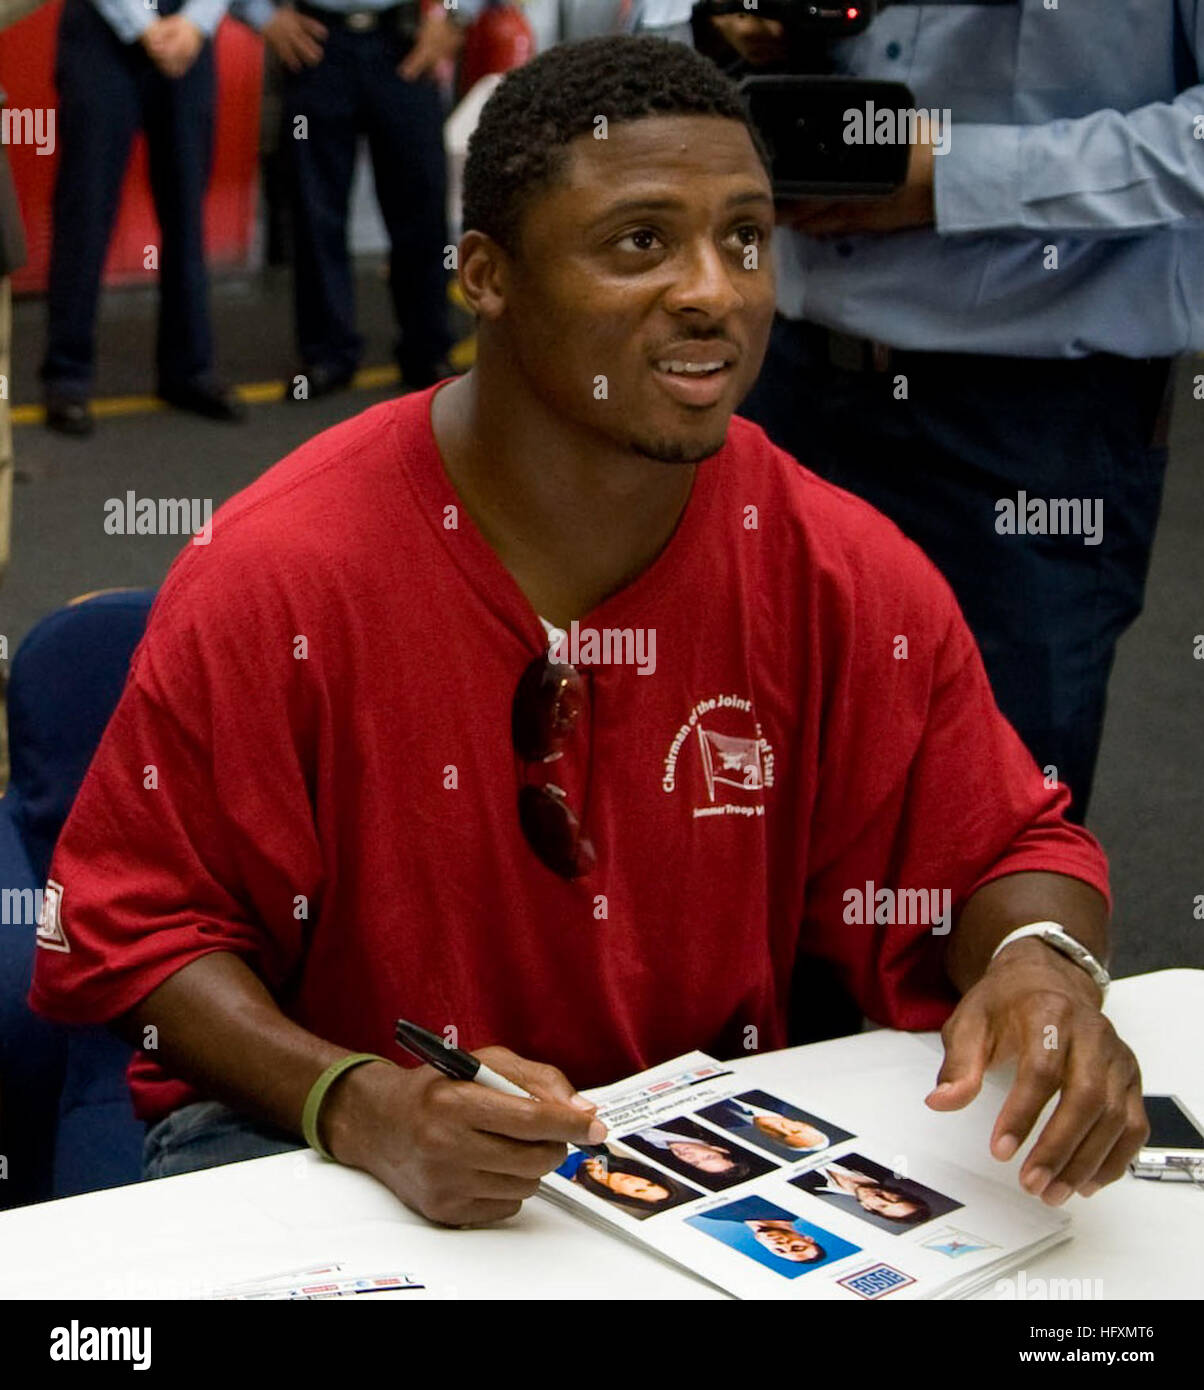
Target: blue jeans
[205,1135]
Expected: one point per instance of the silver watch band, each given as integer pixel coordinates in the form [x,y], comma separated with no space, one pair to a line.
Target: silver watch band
[1055,935]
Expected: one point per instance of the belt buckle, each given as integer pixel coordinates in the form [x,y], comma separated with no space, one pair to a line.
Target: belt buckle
[361,21]
[853,354]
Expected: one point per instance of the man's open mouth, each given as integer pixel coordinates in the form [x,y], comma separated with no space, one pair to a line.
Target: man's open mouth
[676,366]
[696,375]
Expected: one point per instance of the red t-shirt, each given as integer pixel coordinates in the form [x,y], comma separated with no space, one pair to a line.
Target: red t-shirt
[311,766]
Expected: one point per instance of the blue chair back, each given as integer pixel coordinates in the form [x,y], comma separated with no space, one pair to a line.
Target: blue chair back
[66,1123]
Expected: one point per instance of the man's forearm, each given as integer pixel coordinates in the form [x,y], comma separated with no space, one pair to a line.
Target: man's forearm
[1014,900]
[217,1027]
[1054,178]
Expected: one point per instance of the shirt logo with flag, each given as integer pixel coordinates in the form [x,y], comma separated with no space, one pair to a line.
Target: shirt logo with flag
[734,757]
[734,762]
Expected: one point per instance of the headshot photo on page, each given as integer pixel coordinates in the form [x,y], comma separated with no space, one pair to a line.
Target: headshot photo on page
[780,1129]
[774,1237]
[709,1159]
[871,1192]
[625,1183]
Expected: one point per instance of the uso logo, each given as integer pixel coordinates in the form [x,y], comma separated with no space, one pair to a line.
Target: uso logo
[876,1281]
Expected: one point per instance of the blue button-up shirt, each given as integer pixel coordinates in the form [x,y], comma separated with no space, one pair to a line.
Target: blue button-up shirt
[256,13]
[130,19]
[1077,128]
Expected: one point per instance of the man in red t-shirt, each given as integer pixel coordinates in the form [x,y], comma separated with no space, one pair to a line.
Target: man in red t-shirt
[555,709]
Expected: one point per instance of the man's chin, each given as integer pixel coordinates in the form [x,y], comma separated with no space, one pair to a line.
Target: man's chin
[678,449]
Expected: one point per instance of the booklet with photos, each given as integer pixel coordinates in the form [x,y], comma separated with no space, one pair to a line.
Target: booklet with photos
[757,1193]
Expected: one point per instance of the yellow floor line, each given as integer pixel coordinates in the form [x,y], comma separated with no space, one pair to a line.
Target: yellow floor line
[253,393]
[462,356]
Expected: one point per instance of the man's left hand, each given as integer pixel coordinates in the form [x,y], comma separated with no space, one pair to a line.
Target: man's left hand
[1038,1007]
[910,206]
[437,38]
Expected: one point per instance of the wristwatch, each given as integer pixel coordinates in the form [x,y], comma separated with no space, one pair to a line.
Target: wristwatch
[1054,935]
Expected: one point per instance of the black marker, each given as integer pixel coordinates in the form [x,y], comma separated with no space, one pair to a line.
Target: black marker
[463,1066]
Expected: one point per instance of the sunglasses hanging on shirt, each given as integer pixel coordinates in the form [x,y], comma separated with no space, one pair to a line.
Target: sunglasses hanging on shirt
[545,715]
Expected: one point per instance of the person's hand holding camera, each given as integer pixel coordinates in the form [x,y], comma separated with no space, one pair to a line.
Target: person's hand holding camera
[912,205]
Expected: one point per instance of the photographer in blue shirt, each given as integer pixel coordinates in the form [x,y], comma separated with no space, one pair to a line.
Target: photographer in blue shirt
[985,355]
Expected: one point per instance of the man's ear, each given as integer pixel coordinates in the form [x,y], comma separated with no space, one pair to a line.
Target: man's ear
[484,275]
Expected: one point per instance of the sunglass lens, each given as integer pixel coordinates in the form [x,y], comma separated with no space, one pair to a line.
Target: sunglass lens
[554,833]
[547,704]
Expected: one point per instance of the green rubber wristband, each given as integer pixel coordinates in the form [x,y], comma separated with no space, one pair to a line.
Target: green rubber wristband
[317,1094]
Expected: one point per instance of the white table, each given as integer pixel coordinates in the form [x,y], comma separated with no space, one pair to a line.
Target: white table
[182,1237]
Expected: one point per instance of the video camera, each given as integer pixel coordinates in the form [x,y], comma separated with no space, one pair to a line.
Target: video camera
[809,27]
[801,108]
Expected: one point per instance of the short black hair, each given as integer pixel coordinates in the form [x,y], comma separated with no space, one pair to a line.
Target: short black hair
[518,146]
[920,1210]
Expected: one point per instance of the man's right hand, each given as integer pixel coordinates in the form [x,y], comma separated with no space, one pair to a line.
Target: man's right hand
[152,40]
[455,1151]
[296,39]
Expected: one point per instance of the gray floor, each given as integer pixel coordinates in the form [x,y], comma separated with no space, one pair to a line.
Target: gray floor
[1149,802]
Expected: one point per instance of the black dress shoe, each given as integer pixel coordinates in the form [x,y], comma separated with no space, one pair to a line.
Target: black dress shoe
[417,378]
[319,381]
[204,396]
[69,415]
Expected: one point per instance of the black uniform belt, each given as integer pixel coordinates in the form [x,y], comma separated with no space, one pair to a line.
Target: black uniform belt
[1151,376]
[855,354]
[357,21]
